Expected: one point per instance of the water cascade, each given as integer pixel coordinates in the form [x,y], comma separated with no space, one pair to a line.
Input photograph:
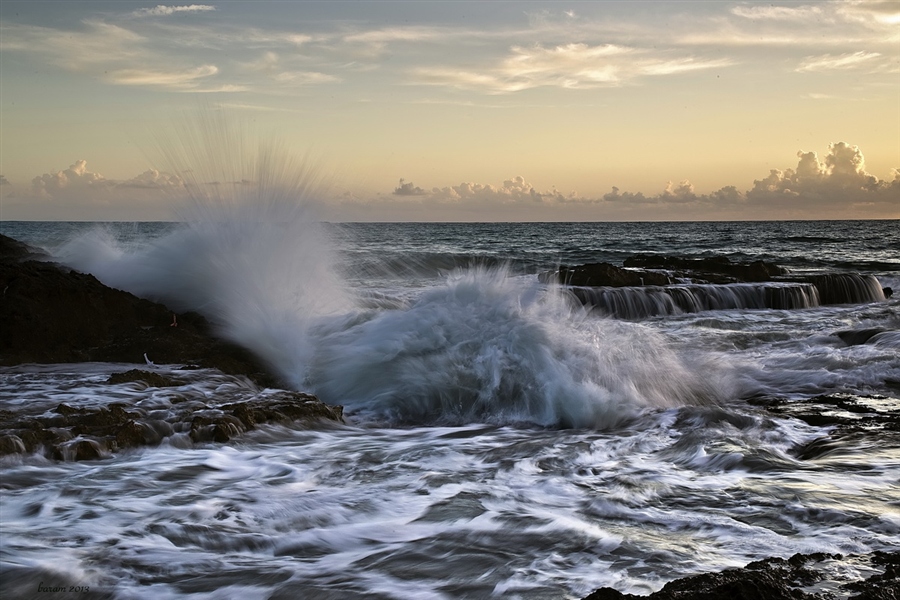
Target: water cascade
[649,301]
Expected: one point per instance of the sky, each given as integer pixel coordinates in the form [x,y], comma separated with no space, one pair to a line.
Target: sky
[458,110]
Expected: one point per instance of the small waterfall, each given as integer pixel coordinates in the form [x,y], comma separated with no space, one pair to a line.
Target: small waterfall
[848,288]
[649,301]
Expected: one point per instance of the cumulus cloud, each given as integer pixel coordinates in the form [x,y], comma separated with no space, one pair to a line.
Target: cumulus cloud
[154,180]
[406,188]
[841,179]
[78,193]
[75,178]
[837,186]
[162,10]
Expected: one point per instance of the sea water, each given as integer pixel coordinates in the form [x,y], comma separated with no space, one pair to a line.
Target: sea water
[500,440]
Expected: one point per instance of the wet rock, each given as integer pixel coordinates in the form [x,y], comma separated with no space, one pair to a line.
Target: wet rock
[717,269]
[52,314]
[855,337]
[801,577]
[80,433]
[603,274]
[887,291]
[151,379]
[646,269]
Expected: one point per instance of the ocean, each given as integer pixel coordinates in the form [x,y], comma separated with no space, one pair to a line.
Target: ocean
[500,439]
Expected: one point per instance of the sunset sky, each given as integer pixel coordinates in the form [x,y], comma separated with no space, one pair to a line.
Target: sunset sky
[465,111]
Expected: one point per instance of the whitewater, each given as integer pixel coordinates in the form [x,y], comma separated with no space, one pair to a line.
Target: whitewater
[500,439]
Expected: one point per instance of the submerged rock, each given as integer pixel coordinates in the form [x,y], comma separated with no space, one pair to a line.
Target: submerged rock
[801,577]
[85,433]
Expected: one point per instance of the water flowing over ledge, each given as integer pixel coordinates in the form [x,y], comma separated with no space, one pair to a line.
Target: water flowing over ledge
[650,301]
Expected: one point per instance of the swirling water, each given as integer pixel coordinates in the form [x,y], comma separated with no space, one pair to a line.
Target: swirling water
[499,442]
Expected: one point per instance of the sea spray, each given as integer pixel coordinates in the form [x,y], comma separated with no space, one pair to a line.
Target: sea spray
[486,347]
[249,254]
[481,347]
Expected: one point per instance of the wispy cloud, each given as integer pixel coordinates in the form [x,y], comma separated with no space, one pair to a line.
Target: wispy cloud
[779,13]
[568,66]
[176,79]
[162,10]
[829,62]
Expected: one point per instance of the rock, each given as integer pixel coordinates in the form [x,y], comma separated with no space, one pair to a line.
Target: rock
[151,379]
[603,274]
[717,269]
[782,579]
[855,337]
[51,314]
[72,433]
[888,292]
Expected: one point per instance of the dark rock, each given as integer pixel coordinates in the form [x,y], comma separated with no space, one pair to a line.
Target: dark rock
[778,579]
[151,379]
[855,337]
[888,292]
[854,420]
[603,274]
[51,314]
[717,269]
[72,433]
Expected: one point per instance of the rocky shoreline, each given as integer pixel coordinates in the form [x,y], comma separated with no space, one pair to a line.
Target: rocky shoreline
[816,576]
[52,314]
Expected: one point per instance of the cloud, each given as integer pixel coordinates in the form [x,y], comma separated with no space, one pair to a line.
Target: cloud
[575,65]
[75,178]
[408,189]
[162,10]
[176,79]
[829,62]
[779,13]
[152,179]
[841,180]
[836,187]
[77,193]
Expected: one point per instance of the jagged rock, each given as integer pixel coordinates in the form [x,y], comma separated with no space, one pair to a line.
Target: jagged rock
[151,379]
[779,579]
[603,274]
[717,269]
[51,314]
[73,433]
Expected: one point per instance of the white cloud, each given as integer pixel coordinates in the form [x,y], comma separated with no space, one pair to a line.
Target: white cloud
[840,180]
[176,79]
[779,13]
[153,179]
[162,10]
[835,187]
[576,65]
[829,62]
[75,178]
